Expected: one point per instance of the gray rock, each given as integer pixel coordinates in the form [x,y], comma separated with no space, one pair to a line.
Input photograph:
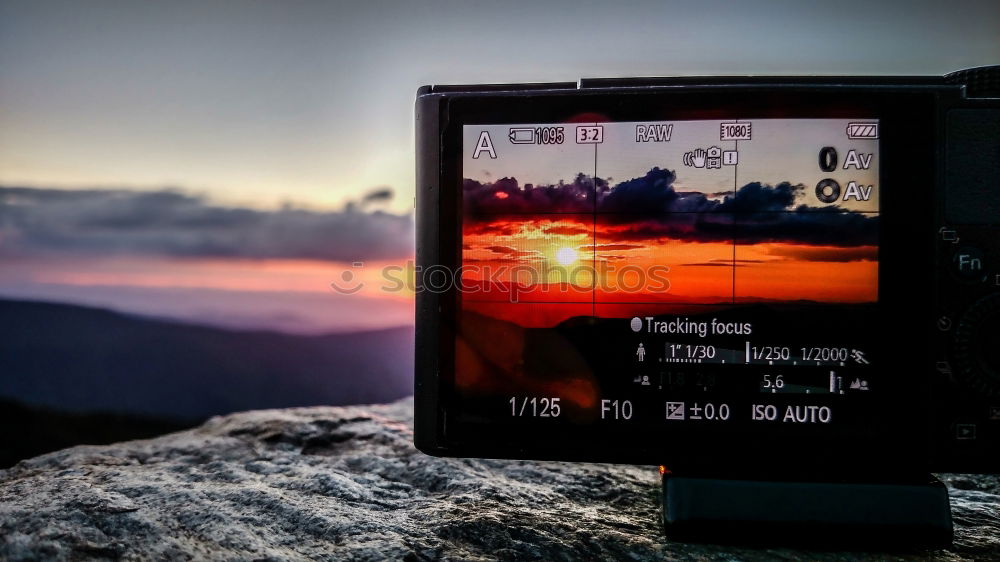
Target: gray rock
[334,483]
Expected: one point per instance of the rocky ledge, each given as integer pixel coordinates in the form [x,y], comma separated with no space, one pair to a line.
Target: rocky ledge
[333,483]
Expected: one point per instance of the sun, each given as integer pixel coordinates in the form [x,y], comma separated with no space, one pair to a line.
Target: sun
[566,255]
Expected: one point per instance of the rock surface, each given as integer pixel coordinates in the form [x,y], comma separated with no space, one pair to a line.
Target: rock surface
[334,483]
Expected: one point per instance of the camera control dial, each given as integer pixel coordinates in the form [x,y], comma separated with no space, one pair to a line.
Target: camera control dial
[977,345]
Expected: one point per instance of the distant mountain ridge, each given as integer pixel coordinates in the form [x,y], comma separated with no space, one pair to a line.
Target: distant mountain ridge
[81,359]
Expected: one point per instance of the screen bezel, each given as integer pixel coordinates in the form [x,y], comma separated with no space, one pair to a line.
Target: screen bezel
[907,122]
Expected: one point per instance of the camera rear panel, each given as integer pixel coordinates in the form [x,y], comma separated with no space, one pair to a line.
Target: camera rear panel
[716,276]
[966,390]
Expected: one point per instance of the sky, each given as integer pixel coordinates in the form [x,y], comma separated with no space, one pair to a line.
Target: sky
[262,102]
[288,114]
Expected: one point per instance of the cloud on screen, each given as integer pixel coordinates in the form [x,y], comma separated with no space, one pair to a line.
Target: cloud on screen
[649,208]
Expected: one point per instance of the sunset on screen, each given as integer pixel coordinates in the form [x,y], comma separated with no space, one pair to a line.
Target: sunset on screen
[538,269]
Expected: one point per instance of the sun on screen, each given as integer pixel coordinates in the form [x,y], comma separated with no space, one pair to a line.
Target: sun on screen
[566,255]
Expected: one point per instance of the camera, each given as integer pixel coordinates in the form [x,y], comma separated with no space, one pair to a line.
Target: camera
[789,278]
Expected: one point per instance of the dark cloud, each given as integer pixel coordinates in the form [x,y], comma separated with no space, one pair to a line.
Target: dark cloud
[837,255]
[505,196]
[649,208]
[822,227]
[702,227]
[755,198]
[651,194]
[491,228]
[510,252]
[611,247]
[174,223]
[715,264]
[378,195]
[566,230]
[501,249]
[725,263]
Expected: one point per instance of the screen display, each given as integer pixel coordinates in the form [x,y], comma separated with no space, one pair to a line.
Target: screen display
[667,275]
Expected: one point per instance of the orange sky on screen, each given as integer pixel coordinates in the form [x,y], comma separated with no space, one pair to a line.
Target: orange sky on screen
[699,272]
[763,275]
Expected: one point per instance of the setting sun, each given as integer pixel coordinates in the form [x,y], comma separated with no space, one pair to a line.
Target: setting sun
[566,255]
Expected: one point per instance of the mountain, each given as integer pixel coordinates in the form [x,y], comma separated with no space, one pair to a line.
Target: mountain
[33,430]
[77,359]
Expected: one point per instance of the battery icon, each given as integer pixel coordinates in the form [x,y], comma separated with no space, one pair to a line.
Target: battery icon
[521,135]
[862,130]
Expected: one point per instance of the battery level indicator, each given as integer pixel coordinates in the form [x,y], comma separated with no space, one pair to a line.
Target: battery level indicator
[522,135]
[862,130]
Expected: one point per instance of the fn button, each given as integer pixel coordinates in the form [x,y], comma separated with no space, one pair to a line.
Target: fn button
[968,264]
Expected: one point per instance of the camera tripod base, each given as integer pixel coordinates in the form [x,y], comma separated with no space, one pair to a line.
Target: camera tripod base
[911,515]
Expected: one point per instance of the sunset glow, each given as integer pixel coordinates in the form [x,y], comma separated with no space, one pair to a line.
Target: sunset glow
[566,255]
[550,261]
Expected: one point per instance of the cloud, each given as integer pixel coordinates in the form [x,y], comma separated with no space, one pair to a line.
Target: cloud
[650,208]
[378,195]
[715,264]
[651,194]
[724,263]
[819,227]
[836,255]
[177,224]
[611,247]
[511,252]
[755,198]
[506,196]
[565,230]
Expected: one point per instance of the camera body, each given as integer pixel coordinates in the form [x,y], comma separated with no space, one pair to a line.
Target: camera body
[783,278]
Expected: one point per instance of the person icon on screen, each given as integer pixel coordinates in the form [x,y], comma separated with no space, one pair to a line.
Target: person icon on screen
[641,353]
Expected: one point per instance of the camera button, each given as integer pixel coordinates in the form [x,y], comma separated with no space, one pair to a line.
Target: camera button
[968,264]
[977,346]
[944,323]
[965,431]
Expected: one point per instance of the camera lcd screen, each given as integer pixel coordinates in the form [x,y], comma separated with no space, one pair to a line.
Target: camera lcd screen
[663,277]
